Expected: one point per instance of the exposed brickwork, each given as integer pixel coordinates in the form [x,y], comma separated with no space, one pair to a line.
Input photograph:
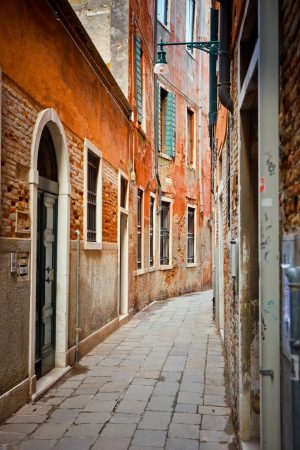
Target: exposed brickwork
[18,117]
[110,203]
[289,119]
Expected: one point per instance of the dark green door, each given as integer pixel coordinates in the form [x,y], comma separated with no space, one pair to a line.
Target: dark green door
[46,283]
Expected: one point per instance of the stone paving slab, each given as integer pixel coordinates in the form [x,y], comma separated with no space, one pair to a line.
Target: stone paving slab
[156,383]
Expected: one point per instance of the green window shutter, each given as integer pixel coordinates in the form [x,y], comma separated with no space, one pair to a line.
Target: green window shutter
[158,130]
[170,124]
[139,81]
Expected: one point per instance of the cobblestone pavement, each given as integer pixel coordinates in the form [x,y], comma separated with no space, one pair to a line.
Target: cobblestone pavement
[155,383]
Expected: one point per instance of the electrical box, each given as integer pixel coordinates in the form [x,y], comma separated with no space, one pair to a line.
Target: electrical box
[23,266]
[13,263]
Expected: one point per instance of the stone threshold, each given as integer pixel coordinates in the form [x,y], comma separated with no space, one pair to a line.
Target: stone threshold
[254,444]
[44,383]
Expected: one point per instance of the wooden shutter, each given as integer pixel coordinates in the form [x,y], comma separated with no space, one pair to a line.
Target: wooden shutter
[170,124]
[158,119]
[139,79]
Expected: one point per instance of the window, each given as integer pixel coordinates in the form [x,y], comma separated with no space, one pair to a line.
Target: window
[162,11]
[166,121]
[151,230]
[123,196]
[190,19]
[190,138]
[139,228]
[165,233]
[139,79]
[191,236]
[93,194]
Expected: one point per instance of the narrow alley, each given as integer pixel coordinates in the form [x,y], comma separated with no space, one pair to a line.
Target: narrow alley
[157,382]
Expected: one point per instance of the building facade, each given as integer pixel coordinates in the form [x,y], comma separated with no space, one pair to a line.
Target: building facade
[105,200]
[256,215]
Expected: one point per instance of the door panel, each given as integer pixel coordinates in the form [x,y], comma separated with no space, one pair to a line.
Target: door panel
[46,283]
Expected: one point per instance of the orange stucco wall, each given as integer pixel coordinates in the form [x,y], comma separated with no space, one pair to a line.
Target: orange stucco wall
[37,53]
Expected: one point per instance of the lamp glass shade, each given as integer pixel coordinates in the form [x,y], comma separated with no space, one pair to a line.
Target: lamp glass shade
[161,68]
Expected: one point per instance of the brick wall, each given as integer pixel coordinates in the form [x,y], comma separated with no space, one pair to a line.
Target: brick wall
[289,118]
[19,113]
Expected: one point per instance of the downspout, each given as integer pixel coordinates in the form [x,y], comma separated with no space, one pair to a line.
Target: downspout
[156,127]
[200,115]
[77,329]
[224,64]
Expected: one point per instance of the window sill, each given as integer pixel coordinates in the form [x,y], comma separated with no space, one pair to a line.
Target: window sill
[142,131]
[167,27]
[140,271]
[188,265]
[164,156]
[144,270]
[92,245]
[191,167]
[166,267]
[191,54]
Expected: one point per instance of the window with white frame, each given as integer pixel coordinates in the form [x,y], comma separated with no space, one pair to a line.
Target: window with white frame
[93,196]
[139,228]
[190,20]
[152,231]
[162,11]
[165,233]
[190,138]
[191,235]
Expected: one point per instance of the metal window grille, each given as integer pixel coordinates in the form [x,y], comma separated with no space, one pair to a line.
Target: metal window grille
[165,233]
[93,168]
[191,236]
[151,231]
[139,228]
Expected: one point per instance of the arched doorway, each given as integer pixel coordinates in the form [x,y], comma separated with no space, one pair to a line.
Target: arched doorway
[50,242]
[46,256]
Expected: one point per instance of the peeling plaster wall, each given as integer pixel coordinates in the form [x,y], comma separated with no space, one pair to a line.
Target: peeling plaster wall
[54,75]
[107,23]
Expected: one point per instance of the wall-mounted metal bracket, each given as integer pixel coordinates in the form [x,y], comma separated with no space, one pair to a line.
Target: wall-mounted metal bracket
[267,372]
[211,47]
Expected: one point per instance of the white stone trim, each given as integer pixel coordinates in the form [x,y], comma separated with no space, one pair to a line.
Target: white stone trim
[170,265]
[194,263]
[50,118]
[138,187]
[89,146]
[152,195]
[123,278]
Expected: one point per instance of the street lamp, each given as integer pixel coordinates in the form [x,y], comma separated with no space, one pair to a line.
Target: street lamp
[161,66]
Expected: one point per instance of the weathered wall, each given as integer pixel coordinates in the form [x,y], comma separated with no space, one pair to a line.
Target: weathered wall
[107,22]
[54,74]
[289,127]
[289,118]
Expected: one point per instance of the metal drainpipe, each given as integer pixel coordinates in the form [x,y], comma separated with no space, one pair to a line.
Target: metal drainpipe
[200,114]
[156,130]
[77,329]
[224,65]
[293,274]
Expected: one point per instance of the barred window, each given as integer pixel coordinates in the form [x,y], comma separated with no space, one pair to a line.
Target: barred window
[152,215]
[139,228]
[191,236]
[93,168]
[165,233]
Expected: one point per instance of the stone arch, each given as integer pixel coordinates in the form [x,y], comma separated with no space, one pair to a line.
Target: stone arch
[50,118]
